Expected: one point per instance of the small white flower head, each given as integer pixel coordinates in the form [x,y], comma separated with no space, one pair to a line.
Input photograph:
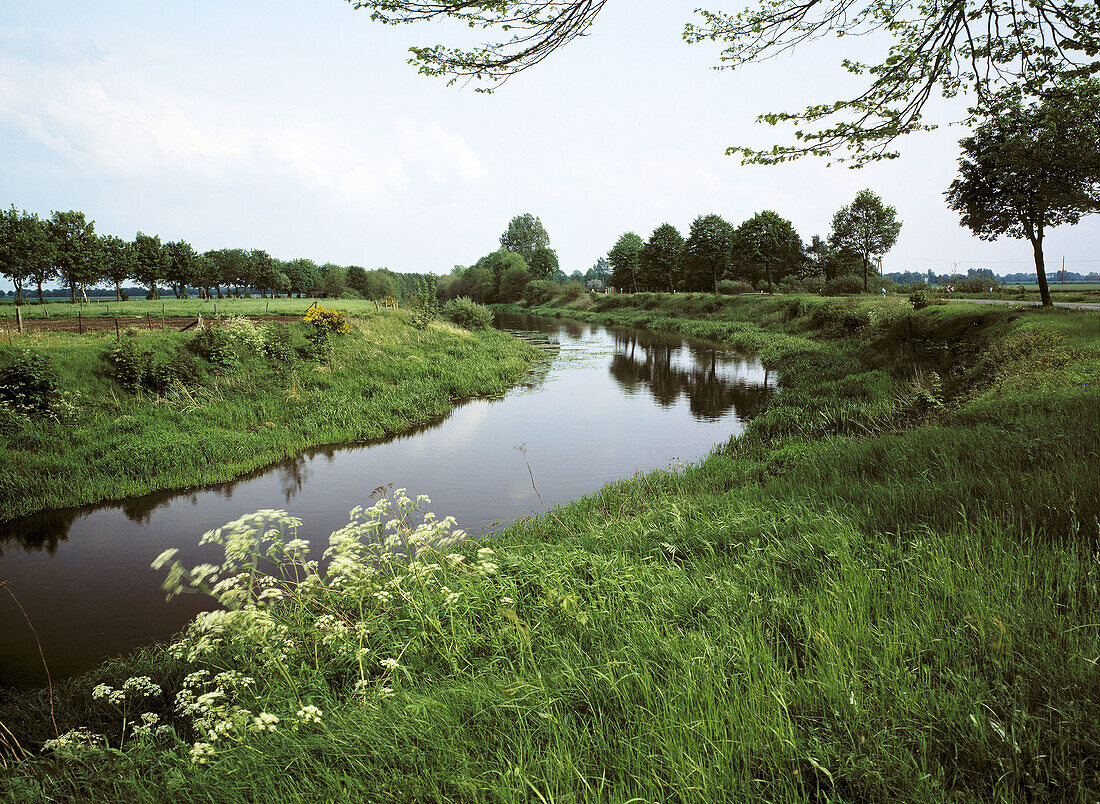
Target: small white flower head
[310,714]
[102,691]
[485,564]
[452,598]
[383,597]
[142,686]
[385,692]
[390,664]
[201,753]
[265,721]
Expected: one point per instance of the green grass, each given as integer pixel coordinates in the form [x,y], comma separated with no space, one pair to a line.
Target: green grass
[382,378]
[140,308]
[886,590]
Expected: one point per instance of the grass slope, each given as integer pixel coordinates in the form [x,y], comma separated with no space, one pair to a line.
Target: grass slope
[885,591]
[381,378]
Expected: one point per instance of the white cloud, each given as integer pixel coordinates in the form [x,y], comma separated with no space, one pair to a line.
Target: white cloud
[104,123]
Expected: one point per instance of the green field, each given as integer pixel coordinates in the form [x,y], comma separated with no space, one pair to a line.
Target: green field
[198,417]
[139,308]
[885,591]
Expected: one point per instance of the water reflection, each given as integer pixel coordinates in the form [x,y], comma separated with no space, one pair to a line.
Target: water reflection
[714,382]
[83,574]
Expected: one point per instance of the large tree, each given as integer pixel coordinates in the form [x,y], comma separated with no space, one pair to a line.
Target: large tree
[118,261]
[625,259]
[708,253]
[866,227]
[768,247]
[74,245]
[150,262]
[303,274]
[527,237]
[181,266]
[931,48]
[660,262]
[26,251]
[263,271]
[1030,167]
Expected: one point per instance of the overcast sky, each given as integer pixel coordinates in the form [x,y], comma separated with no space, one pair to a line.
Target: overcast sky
[298,128]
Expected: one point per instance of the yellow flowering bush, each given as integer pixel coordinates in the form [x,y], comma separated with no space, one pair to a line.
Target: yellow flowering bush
[325,320]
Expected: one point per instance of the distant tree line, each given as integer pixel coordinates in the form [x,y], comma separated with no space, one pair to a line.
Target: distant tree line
[763,252]
[66,249]
[986,277]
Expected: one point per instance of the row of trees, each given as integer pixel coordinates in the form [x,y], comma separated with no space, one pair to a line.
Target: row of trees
[764,250]
[65,248]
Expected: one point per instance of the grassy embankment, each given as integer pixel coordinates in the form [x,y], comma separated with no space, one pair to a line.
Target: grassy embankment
[885,591]
[140,308]
[211,411]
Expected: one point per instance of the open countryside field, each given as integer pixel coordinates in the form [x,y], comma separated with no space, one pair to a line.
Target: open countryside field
[884,591]
[141,308]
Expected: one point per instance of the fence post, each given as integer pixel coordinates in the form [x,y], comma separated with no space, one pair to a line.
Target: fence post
[215,308]
[267,308]
[18,321]
[149,320]
[79,322]
[118,335]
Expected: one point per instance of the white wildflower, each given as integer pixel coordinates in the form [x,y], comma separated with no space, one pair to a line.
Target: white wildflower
[201,753]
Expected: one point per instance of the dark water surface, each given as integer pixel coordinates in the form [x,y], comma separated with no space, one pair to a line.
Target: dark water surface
[613,401]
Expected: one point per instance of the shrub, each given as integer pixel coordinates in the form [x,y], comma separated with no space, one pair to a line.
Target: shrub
[467,313]
[215,346]
[572,291]
[276,341]
[844,286]
[330,321]
[132,362]
[29,385]
[918,299]
[540,291]
[424,304]
[730,287]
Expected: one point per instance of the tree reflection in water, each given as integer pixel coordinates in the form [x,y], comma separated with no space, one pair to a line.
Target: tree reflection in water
[713,382]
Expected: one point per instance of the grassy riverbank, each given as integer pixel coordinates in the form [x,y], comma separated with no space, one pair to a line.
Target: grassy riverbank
[176,410]
[885,591]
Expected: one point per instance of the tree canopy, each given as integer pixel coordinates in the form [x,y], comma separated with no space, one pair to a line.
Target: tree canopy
[932,48]
[707,253]
[866,227]
[625,259]
[1030,167]
[660,266]
[769,245]
[527,237]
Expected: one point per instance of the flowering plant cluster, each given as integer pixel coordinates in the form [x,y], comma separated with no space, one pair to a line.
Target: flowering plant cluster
[387,581]
[328,321]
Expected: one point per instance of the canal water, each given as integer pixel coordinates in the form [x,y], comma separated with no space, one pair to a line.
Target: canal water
[607,403]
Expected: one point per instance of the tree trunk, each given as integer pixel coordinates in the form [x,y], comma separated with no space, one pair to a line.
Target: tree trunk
[768,271]
[865,289]
[40,299]
[18,282]
[72,290]
[1040,266]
